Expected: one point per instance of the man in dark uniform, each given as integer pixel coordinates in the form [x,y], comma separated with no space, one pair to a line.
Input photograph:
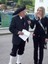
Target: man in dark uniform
[18,23]
[39,34]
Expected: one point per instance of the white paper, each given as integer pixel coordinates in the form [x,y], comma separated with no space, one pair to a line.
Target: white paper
[25,35]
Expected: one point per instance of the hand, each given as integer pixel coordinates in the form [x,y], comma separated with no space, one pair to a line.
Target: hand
[20,33]
[33,34]
[38,16]
[46,40]
[29,22]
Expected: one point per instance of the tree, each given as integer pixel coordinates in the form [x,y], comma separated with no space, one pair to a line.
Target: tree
[29,3]
[15,1]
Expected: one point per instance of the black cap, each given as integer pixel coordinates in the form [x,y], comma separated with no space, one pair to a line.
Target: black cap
[19,10]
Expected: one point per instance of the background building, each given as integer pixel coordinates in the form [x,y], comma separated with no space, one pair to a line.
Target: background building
[43,3]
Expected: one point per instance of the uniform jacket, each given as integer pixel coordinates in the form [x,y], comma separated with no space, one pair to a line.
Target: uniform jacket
[16,25]
[38,29]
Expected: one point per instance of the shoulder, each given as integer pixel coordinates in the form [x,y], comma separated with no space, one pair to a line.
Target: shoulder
[45,18]
[26,17]
[15,17]
[35,20]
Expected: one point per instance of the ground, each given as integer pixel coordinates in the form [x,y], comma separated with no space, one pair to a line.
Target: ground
[27,58]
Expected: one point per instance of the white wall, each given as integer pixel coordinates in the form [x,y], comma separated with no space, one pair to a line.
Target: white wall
[43,3]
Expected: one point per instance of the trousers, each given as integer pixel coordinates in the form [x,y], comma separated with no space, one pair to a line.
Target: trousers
[38,45]
[18,49]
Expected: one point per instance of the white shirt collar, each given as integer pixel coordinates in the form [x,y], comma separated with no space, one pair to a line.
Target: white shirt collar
[20,17]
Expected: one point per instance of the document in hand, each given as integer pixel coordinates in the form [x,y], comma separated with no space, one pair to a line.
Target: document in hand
[25,35]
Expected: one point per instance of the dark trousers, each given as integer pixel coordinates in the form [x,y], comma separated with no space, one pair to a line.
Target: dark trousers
[18,49]
[38,43]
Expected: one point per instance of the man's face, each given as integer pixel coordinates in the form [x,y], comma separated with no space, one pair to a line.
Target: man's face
[23,13]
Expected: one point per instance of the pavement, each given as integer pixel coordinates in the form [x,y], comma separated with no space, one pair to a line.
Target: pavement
[27,57]
[5,48]
[4,31]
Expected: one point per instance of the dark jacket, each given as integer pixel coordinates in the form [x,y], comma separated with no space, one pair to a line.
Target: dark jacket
[16,25]
[38,30]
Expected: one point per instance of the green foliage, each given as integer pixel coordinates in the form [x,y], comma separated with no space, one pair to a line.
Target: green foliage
[29,3]
[3,1]
[15,1]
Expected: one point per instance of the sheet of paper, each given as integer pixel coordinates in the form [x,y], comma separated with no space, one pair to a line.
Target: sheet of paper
[26,35]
